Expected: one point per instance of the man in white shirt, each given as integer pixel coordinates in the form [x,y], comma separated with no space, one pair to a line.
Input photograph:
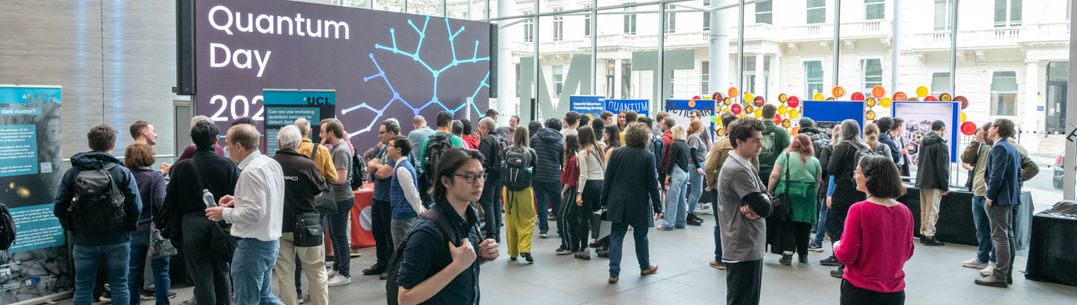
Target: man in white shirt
[255,213]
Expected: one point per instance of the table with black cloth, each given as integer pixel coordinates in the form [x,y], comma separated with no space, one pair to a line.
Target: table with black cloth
[1052,255]
[955,223]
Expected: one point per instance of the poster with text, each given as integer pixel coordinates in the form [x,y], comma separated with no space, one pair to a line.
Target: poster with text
[590,105]
[36,265]
[284,106]
[638,105]
[918,117]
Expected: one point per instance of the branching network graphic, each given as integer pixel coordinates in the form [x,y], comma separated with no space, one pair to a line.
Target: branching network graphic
[435,73]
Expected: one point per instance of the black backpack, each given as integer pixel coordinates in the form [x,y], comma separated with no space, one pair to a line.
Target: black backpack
[435,147]
[358,170]
[515,174]
[7,228]
[434,215]
[657,149]
[97,205]
[497,161]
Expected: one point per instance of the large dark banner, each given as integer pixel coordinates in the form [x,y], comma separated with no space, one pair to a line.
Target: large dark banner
[381,64]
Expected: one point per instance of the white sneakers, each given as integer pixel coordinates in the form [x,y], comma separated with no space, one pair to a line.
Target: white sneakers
[987,271]
[974,263]
[339,280]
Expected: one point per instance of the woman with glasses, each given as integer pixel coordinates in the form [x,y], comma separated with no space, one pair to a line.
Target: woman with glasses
[630,196]
[519,203]
[443,268]
[877,240]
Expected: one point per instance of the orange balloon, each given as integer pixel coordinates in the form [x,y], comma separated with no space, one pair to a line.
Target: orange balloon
[878,91]
[930,98]
[733,91]
[838,91]
[692,103]
[900,96]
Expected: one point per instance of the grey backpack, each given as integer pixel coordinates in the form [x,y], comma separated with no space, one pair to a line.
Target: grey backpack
[97,205]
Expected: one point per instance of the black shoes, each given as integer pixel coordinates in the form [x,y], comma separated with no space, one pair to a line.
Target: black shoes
[603,253]
[527,257]
[931,241]
[830,261]
[374,270]
[787,259]
[694,220]
[803,258]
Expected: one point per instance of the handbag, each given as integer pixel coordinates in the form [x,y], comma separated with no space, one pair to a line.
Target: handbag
[160,247]
[222,244]
[308,229]
[780,202]
[323,202]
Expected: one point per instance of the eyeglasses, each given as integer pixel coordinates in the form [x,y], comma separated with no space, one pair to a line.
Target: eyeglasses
[472,178]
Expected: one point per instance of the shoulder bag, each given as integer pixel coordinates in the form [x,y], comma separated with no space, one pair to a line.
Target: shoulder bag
[780,202]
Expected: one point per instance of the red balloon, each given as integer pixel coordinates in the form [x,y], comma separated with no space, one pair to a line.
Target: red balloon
[968,128]
[717,97]
[793,101]
[931,98]
[777,119]
[857,96]
[759,101]
[735,108]
[696,97]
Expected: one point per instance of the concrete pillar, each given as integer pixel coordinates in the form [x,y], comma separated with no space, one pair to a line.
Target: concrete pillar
[721,24]
[507,102]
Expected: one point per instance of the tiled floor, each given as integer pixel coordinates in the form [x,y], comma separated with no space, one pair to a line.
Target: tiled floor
[934,276]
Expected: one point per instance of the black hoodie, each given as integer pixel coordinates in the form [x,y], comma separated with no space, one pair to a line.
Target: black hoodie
[933,163]
[550,147]
[123,179]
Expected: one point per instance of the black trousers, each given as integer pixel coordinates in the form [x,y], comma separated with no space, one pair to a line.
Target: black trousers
[210,274]
[851,295]
[381,219]
[592,190]
[743,281]
[795,237]
[565,220]
[491,207]
[845,195]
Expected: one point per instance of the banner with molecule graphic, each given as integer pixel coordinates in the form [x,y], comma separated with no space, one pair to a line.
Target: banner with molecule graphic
[36,265]
[380,64]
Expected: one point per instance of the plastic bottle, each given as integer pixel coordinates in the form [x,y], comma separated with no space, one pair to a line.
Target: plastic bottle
[207,198]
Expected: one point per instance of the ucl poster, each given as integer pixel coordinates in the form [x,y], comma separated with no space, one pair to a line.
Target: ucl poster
[36,265]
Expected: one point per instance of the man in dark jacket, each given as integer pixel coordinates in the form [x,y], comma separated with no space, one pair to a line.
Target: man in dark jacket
[550,147]
[490,145]
[95,238]
[1003,196]
[630,194]
[933,180]
[775,141]
[886,124]
[183,218]
[302,181]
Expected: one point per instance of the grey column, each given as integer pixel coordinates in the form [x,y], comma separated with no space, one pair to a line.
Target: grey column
[506,71]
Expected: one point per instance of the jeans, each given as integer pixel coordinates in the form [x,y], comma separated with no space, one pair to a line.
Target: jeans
[820,229]
[617,240]
[676,212]
[401,227]
[140,245]
[852,295]
[338,233]
[744,281]
[212,285]
[1002,238]
[252,271]
[285,274]
[986,252]
[116,259]
[717,229]
[548,194]
[695,189]
[491,207]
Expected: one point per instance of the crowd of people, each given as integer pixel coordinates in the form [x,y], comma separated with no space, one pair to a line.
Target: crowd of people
[243,220]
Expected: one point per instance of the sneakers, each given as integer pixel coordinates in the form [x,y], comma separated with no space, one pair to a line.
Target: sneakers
[527,257]
[830,261]
[331,274]
[584,255]
[837,273]
[717,265]
[354,252]
[340,280]
[974,263]
[992,281]
[543,235]
[931,241]
[987,271]
[815,248]
[563,251]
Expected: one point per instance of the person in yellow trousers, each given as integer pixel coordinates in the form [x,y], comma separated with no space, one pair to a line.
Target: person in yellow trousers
[518,196]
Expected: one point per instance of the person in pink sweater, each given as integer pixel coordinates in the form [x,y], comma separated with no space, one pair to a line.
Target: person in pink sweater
[878,237]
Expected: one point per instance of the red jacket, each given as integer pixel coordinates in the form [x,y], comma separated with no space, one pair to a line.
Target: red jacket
[665,160]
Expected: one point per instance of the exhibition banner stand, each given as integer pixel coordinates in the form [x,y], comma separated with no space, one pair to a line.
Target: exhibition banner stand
[37,266]
[591,105]
[284,106]
[640,106]
[834,111]
[918,117]
[679,110]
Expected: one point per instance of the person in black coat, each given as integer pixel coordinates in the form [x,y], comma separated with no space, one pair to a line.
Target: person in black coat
[183,217]
[636,186]
[933,179]
[886,125]
[842,193]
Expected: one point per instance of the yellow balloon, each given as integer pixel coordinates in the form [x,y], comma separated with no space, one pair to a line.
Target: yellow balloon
[818,97]
[783,109]
[758,113]
[885,102]
[793,113]
[748,97]
[961,117]
[870,102]
[870,115]
[707,98]
[921,91]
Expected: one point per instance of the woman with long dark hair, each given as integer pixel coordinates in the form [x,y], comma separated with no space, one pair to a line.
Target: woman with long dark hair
[631,171]
[612,136]
[878,236]
[592,162]
[423,276]
[570,176]
[797,174]
[842,192]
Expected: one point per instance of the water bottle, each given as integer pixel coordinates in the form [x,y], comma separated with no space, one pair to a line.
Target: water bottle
[207,198]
